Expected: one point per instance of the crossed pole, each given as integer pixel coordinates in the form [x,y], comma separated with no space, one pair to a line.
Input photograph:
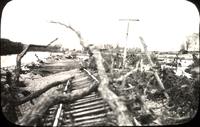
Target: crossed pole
[125,48]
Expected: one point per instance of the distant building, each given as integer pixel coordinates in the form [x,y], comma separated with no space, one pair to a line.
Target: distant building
[192,42]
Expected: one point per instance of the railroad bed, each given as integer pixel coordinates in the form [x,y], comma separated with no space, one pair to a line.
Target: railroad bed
[91,110]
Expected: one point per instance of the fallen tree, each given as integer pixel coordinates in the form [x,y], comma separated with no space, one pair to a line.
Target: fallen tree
[42,106]
[45,81]
[155,72]
[41,91]
[10,47]
[41,86]
[117,105]
[74,30]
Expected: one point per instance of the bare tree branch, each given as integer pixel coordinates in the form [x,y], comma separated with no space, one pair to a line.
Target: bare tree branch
[71,28]
[10,47]
[43,105]
[41,91]
[155,73]
[52,41]
[117,105]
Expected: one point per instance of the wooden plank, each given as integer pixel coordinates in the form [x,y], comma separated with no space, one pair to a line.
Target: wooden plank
[75,106]
[88,100]
[85,118]
[94,121]
[80,110]
[91,111]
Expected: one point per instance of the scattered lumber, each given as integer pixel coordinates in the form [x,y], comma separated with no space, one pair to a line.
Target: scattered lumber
[123,77]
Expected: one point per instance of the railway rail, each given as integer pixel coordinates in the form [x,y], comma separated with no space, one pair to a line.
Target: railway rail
[91,110]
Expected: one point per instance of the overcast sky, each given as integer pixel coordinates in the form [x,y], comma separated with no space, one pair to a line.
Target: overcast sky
[164,24]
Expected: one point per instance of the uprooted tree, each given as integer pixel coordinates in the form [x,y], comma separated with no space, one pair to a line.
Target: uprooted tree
[31,117]
[113,100]
[10,94]
[120,106]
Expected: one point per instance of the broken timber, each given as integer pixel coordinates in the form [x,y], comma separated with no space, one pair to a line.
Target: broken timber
[155,73]
[45,81]
[111,98]
[42,106]
[9,47]
[44,84]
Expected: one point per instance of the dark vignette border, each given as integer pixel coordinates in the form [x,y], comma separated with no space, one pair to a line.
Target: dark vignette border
[5,122]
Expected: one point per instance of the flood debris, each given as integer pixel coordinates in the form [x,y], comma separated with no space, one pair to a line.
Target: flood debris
[152,90]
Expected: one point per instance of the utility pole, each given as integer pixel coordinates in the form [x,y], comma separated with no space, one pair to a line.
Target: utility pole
[125,48]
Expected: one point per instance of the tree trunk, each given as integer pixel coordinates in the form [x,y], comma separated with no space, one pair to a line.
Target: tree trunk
[9,47]
[42,85]
[155,73]
[43,105]
[113,100]
[41,91]
[45,81]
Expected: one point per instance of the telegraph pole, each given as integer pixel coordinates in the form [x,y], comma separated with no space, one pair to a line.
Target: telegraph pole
[125,48]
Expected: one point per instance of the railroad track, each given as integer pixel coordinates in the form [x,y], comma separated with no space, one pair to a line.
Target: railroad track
[91,110]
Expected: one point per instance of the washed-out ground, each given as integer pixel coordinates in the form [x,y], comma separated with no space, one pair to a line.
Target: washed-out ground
[180,88]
